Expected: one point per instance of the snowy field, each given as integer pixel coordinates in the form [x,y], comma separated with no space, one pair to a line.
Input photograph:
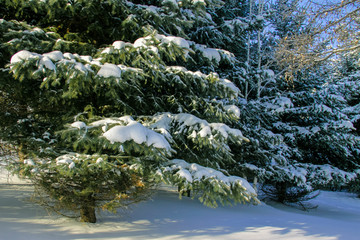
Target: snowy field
[167,217]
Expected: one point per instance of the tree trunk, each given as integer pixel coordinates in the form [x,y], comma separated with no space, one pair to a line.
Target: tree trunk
[260,12]
[248,53]
[281,191]
[87,210]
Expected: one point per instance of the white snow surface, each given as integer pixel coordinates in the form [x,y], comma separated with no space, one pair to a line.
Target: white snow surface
[212,54]
[69,56]
[47,63]
[167,217]
[109,70]
[138,133]
[227,83]
[142,42]
[105,122]
[23,56]
[181,42]
[233,109]
[195,172]
[221,81]
[119,44]
[198,1]
[54,55]
[190,123]
[65,159]
[78,124]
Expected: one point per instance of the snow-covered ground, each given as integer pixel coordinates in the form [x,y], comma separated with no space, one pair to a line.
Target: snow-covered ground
[168,217]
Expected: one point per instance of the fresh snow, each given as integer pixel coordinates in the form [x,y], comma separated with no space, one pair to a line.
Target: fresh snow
[78,124]
[82,68]
[47,63]
[181,42]
[141,42]
[119,44]
[69,56]
[212,54]
[54,55]
[236,22]
[86,58]
[167,217]
[138,133]
[230,86]
[190,123]
[195,172]
[209,53]
[105,122]
[106,51]
[346,124]
[227,83]
[233,110]
[109,70]
[65,159]
[279,104]
[198,1]
[23,56]
[29,162]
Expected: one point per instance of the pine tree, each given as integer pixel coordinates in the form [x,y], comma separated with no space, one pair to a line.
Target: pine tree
[98,125]
[346,85]
[301,140]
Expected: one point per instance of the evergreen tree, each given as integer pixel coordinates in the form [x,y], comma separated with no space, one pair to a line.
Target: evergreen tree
[346,84]
[301,139]
[97,125]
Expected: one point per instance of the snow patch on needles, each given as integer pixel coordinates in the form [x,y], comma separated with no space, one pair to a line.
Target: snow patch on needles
[346,124]
[109,70]
[78,124]
[65,159]
[23,56]
[29,162]
[204,79]
[214,54]
[139,134]
[196,127]
[228,84]
[69,56]
[52,60]
[105,122]
[119,44]
[148,42]
[181,42]
[54,56]
[192,172]
[47,63]
[233,110]
[279,104]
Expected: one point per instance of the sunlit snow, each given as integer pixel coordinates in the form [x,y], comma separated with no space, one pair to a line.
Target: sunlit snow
[138,133]
[23,56]
[109,70]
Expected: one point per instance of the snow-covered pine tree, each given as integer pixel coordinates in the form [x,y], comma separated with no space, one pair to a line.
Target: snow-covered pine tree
[300,141]
[97,126]
[267,157]
[317,104]
[346,85]
[288,170]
